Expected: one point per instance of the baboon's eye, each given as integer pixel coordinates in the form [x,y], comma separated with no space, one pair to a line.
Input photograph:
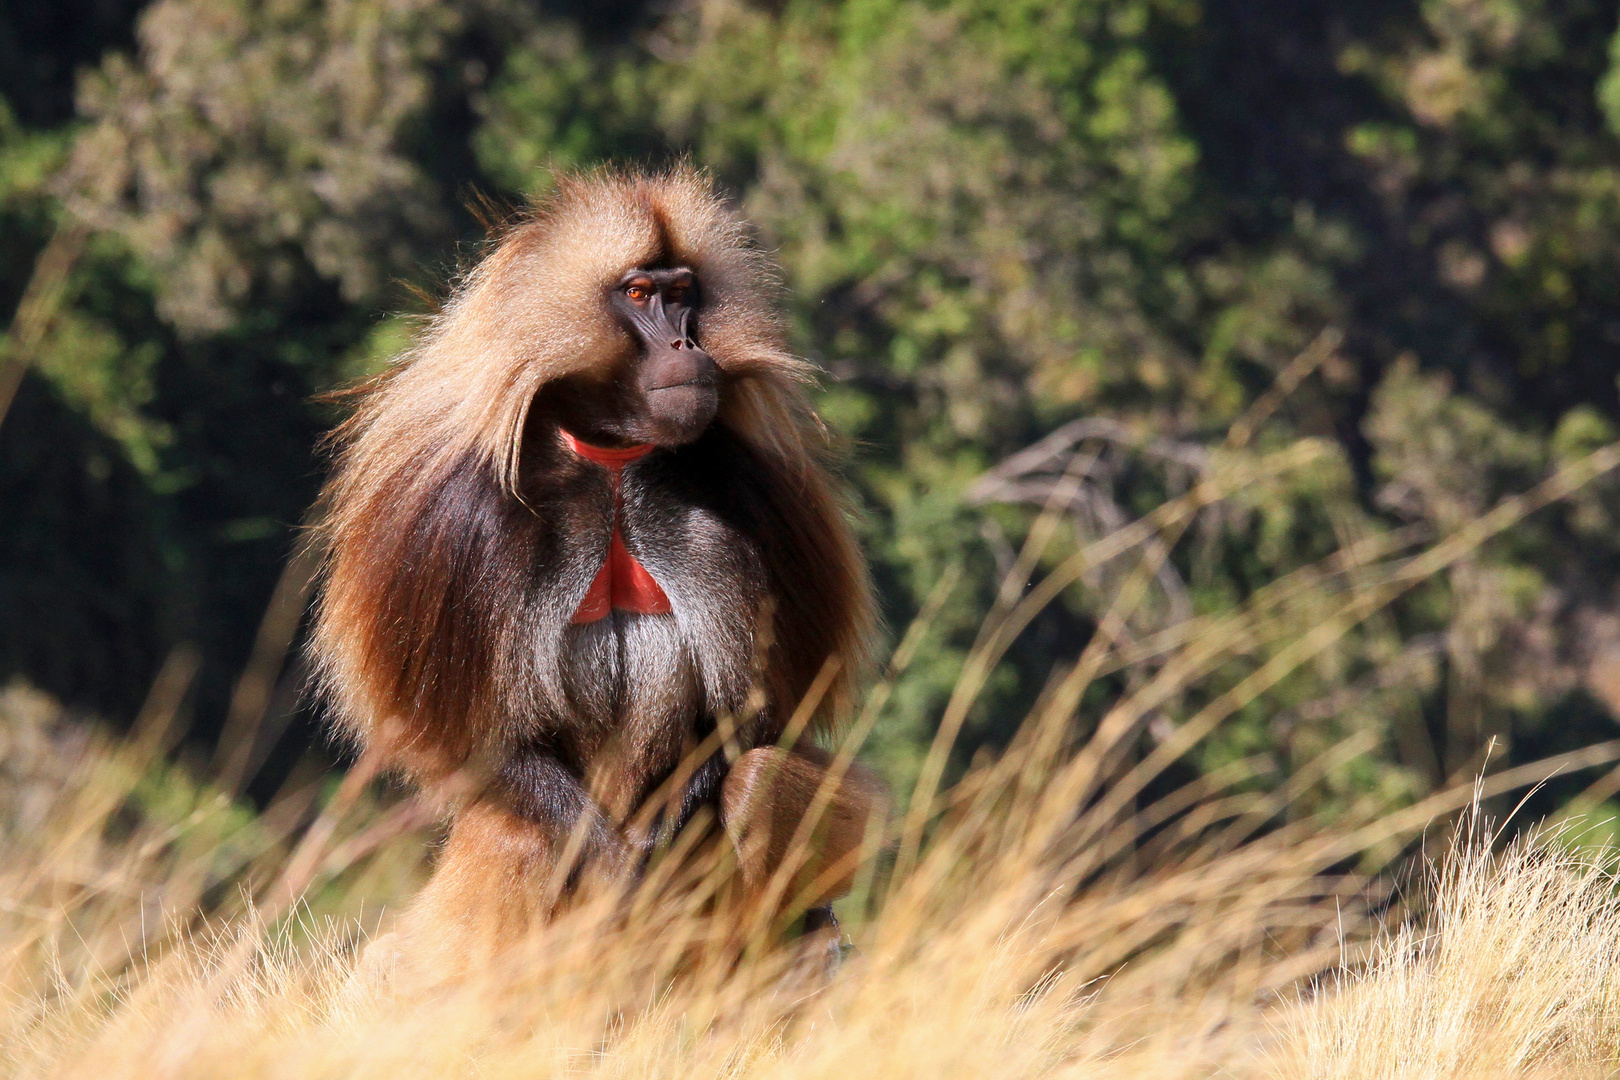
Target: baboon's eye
[638,292]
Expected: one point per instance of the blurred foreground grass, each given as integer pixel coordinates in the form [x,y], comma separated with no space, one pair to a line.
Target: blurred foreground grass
[1052,912]
[989,960]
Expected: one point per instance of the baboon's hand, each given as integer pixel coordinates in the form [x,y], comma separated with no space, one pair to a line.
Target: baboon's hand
[788,813]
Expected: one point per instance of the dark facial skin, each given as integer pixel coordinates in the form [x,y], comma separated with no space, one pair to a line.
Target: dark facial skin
[669,393]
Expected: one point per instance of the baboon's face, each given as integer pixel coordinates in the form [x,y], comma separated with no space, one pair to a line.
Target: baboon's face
[665,389]
[673,385]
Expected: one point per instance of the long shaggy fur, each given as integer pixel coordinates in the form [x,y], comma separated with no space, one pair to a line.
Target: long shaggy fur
[438,513]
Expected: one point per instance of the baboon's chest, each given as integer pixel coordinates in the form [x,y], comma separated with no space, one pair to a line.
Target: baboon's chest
[663,595]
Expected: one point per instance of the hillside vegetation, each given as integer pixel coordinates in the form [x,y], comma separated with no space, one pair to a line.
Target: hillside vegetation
[146,932]
[1228,399]
[1097,251]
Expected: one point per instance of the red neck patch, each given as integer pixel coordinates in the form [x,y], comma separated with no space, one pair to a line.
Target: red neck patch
[607,455]
[622,584]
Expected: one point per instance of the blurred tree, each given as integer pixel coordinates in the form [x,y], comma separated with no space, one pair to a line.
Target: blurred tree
[996,217]
[254,177]
[1162,241]
[259,152]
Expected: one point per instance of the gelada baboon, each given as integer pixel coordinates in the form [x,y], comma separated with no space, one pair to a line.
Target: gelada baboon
[580,534]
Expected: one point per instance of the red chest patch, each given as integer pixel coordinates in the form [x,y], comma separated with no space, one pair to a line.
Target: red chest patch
[622,584]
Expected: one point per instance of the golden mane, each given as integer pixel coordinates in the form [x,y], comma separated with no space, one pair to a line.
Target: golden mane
[532,311]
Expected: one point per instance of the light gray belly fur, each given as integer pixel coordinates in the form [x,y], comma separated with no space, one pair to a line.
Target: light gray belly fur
[627,670]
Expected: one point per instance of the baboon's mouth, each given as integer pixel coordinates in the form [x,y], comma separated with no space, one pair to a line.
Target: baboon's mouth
[705,382]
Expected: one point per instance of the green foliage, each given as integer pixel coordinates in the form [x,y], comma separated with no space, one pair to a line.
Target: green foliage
[258,145]
[994,219]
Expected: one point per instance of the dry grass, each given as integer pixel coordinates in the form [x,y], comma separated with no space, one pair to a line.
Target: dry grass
[1512,973]
[1043,916]
[989,960]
